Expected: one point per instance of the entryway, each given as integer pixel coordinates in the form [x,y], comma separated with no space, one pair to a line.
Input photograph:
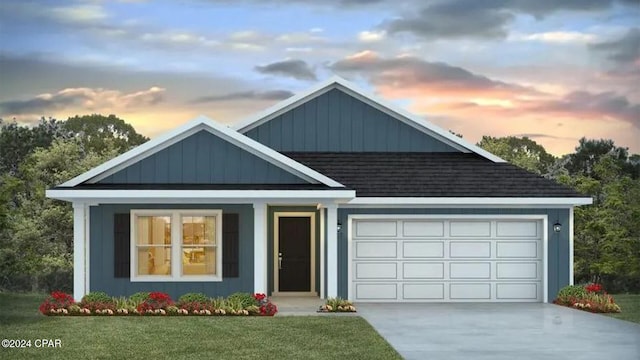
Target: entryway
[294,253]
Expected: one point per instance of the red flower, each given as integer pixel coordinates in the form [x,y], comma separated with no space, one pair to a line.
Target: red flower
[259,296]
[593,288]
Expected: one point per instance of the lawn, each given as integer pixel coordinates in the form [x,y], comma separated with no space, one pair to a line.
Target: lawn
[308,337]
[630,305]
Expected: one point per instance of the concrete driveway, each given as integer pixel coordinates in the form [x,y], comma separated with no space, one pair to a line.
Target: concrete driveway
[501,331]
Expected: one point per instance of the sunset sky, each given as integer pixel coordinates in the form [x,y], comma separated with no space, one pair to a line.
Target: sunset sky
[552,70]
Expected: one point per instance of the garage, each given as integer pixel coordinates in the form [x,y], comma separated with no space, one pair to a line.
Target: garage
[447,259]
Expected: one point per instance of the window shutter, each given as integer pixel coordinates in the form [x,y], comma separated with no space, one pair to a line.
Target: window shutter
[230,245]
[121,245]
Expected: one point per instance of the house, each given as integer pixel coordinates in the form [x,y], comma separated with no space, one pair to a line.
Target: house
[332,192]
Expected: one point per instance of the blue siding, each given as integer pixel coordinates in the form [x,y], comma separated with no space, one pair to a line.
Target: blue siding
[102,255]
[558,243]
[202,158]
[336,121]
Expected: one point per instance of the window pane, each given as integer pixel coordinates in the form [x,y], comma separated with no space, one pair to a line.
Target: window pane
[154,260]
[198,261]
[153,230]
[198,230]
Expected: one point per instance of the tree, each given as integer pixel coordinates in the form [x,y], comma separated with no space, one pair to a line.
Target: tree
[94,130]
[17,142]
[522,152]
[589,151]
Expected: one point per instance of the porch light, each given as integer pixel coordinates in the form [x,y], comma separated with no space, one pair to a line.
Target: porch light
[339,226]
[557,227]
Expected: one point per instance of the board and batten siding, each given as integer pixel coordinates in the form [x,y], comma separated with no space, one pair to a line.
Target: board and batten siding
[202,158]
[101,251]
[557,251]
[336,121]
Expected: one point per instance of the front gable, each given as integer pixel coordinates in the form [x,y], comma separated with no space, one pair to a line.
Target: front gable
[202,158]
[338,122]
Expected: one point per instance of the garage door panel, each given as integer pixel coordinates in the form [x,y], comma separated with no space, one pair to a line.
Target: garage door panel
[376,249]
[376,229]
[468,270]
[424,270]
[470,249]
[417,249]
[525,291]
[516,229]
[470,291]
[376,270]
[470,228]
[366,291]
[517,270]
[423,228]
[517,249]
[438,260]
[423,291]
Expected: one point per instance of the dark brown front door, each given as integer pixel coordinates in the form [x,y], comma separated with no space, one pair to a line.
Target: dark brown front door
[294,248]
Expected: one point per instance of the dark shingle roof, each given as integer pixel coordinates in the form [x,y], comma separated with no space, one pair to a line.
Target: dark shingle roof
[430,175]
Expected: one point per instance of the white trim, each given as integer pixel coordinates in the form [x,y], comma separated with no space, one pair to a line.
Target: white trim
[332,251]
[87,252]
[237,196]
[201,123]
[457,201]
[322,244]
[79,254]
[276,244]
[571,244]
[545,239]
[380,104]
[175,216]
[260,248]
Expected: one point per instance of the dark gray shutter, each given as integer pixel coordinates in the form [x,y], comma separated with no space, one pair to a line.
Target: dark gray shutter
[121,246]
[230,245]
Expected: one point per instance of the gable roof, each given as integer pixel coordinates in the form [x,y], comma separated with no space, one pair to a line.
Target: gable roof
[395,111]
[429,175]
[200,123]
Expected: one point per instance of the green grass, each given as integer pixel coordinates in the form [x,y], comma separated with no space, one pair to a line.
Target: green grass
[630,305]
[308,337]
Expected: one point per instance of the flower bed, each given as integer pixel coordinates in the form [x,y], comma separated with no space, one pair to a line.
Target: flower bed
[334,305]
[590,297]
[158,304]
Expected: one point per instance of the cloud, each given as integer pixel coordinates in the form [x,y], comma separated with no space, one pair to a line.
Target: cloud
[297,69]
[625,49]
[269,95]
[587,104]
[557,37]
[371,36]
[412,76]
[86,98]
[480,19]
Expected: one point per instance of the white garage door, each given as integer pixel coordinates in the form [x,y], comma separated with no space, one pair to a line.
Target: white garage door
[446,260]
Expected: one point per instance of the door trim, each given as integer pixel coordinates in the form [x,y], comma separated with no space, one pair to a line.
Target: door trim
[276,232]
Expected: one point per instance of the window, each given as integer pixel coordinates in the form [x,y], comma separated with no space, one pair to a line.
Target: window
[176,245]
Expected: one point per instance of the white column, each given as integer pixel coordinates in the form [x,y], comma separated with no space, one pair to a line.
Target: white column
[79,256]
[571,246]
[260,248]
[332,250]
[322,262]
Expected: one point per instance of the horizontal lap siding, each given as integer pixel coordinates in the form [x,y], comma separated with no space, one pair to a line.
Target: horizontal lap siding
[558,243]
[336,121]
[202,158]
[101,250]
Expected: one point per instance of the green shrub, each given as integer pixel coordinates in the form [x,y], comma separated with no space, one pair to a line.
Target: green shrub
[139,297]
[219,303]
[97,297]
[243,300]
[572,290]
[193,297]
[338,305]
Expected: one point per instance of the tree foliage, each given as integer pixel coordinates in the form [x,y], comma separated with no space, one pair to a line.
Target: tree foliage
[99,133]
[522,152]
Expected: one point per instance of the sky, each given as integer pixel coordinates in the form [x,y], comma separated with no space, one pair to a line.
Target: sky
[555,71]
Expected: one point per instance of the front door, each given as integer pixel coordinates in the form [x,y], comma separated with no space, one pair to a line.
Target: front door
[294,254]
